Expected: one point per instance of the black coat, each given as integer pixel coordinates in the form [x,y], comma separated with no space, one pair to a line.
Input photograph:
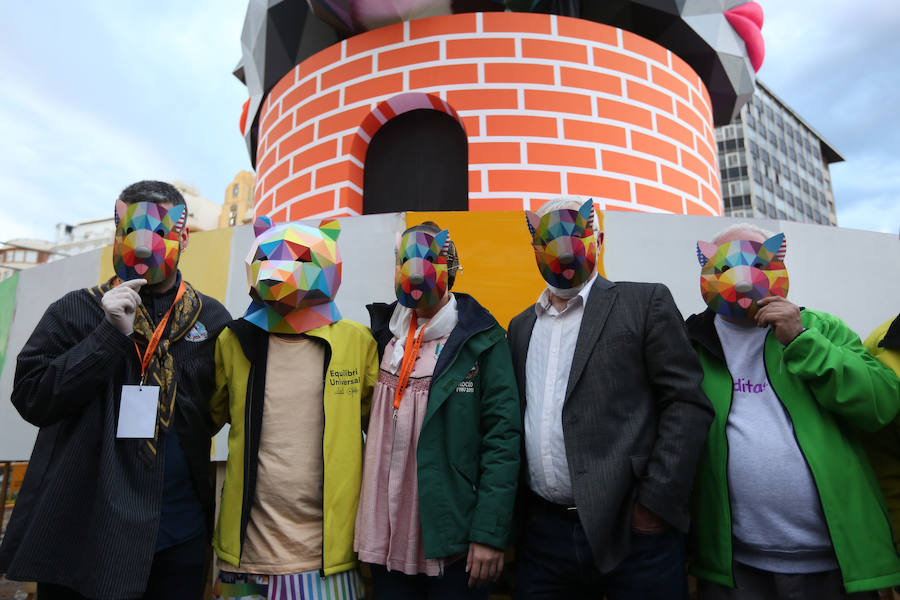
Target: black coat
[88,512]
[634,417]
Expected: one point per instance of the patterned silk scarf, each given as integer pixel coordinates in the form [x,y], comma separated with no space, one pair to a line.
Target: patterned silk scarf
[161,370]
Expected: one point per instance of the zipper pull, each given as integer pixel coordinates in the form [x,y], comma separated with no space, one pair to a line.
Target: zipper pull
[395,418]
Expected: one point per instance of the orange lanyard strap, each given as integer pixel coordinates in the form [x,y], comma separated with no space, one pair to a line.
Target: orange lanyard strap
[157,335]
[410,352]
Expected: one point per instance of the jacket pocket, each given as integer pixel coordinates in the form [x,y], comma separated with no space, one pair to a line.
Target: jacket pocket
[470,481]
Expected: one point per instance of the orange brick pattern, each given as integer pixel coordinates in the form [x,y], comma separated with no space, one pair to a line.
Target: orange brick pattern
[550,105]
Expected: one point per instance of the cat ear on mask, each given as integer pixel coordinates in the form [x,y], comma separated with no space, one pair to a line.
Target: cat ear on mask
[587,213]
[330,228]
[442,239]
[777,245]
[705,251]
[261,224]
[119,213]
[178,215]
[532,220]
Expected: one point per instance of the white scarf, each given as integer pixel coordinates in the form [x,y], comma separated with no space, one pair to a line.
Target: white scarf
[441,324]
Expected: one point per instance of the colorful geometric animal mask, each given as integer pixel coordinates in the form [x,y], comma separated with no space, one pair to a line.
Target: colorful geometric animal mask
[736,275]
[294,272]
[420,278]
[147,241]
[565,246]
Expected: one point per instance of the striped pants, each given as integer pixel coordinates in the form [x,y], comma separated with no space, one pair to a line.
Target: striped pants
[297,586]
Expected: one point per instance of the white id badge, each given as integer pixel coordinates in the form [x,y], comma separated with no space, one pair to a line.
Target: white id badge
[137,411]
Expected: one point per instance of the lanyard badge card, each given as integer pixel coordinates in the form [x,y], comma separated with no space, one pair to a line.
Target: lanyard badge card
[137,411]
[139,403]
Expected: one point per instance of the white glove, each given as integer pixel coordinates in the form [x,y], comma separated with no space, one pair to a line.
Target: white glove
[120,304]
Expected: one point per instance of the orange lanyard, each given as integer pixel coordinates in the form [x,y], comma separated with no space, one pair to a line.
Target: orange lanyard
[410,351]
[157,335]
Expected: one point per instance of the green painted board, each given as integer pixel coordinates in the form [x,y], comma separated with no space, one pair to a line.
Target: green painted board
[7,308]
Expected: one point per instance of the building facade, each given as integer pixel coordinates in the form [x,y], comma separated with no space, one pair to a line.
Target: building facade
[237,209]
[81,237]
[203,214]
[774,165]
[17,255]
[84,236]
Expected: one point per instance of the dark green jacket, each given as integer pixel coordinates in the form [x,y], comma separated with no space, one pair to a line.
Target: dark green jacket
[828,385]
[468,452]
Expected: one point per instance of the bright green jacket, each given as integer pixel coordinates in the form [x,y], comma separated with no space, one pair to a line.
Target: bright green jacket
[467,458]
[351,371]
[883,447]
[828,385]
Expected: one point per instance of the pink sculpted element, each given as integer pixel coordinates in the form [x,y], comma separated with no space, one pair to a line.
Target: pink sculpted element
[747,20]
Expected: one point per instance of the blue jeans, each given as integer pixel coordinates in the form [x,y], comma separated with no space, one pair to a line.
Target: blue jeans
[556,563]
[452,585]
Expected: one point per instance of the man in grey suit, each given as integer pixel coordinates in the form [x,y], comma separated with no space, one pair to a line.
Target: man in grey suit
[615,420]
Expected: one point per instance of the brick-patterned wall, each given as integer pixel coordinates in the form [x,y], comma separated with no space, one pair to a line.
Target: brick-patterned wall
[550,105]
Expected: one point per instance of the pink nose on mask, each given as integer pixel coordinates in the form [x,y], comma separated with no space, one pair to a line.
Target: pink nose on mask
[744,302]
[416,294]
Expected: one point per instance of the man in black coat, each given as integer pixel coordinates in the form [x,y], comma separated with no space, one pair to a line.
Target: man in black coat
[117,500]
[614,423]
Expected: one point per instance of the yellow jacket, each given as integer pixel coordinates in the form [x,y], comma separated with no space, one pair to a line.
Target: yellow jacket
[351,371]
[883,447]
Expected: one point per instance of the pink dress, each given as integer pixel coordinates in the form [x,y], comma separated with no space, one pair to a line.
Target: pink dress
[388,530]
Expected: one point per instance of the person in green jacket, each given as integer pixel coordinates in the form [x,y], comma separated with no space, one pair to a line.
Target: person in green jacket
[785,503]
[883,447]
[442,450]
[295,380]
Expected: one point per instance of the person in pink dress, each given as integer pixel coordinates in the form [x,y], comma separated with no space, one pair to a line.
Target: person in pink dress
[442,450]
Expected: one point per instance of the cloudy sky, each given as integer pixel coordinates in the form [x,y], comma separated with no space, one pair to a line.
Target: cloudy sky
[99,94]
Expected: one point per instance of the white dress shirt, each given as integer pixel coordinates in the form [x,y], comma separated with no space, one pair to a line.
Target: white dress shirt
[547,367]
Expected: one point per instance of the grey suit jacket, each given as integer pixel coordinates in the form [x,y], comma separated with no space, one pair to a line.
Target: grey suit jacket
[634,418]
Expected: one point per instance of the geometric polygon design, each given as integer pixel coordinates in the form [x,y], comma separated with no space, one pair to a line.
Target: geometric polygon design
[350,17]
[146,244]
[565,247]
[737,274]
[294,272]
[277,35]
[420,277]
[701,32]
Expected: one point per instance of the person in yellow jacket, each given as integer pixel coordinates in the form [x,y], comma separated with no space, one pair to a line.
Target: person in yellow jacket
[295,381]
[883,447]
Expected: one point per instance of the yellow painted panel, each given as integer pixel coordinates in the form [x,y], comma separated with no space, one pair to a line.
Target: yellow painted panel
[204,262]
[497,258]
[106,266]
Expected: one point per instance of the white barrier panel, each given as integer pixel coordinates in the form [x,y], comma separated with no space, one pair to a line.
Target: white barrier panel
[38,288]
[847,272]
[852,274]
